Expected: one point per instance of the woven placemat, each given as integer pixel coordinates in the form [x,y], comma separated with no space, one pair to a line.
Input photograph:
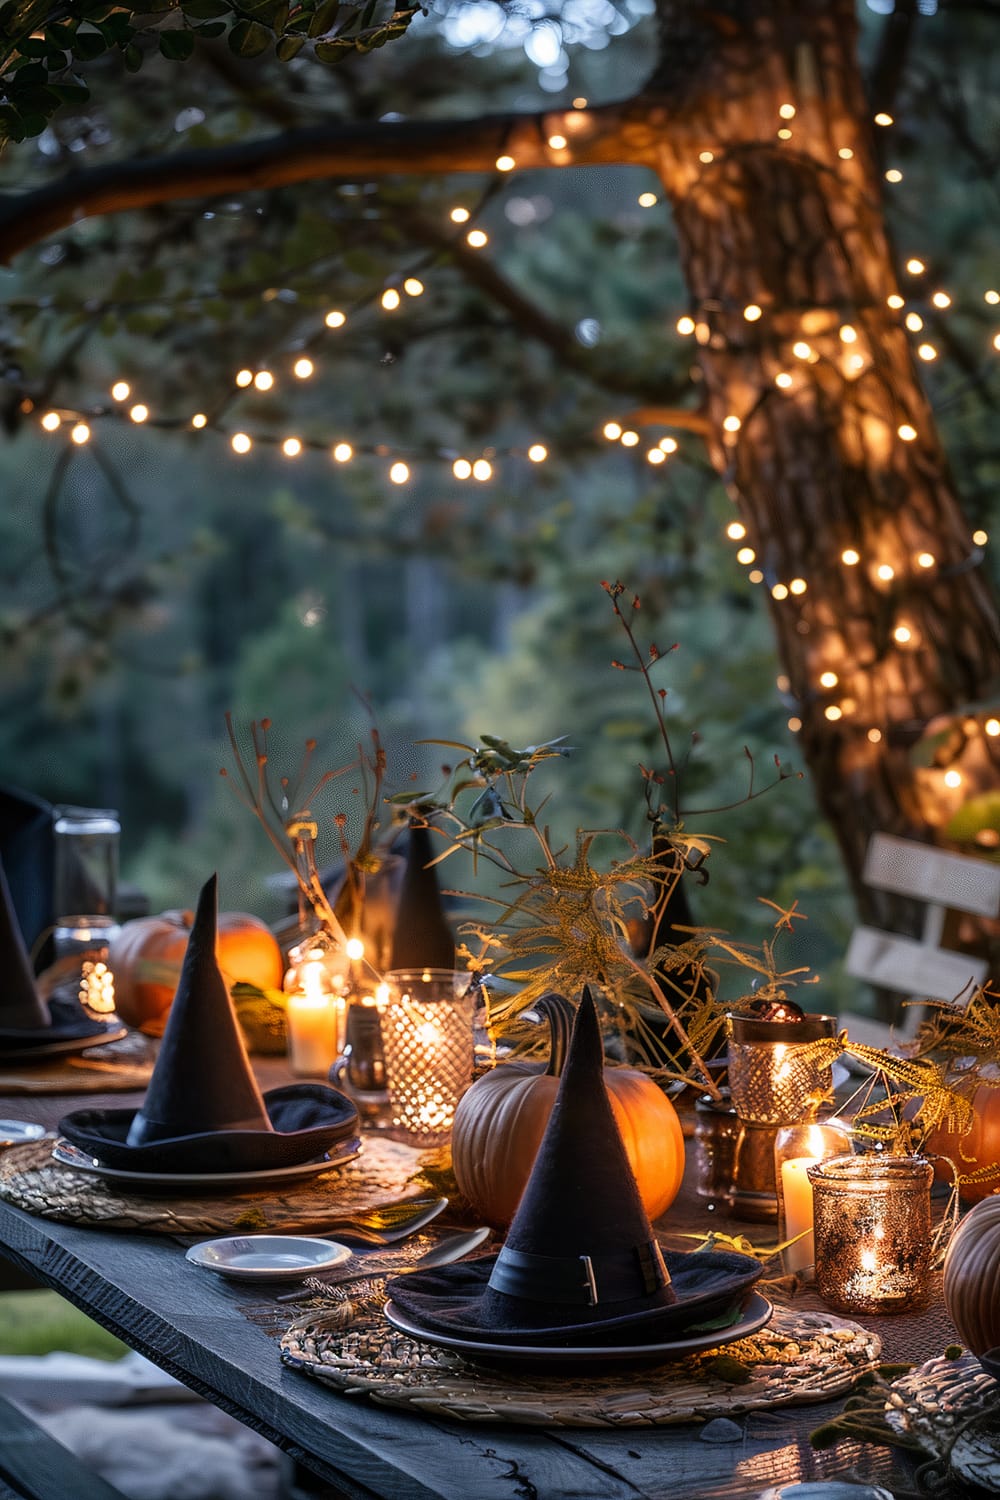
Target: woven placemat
[799,1357]
[31,1180]
[117,1068]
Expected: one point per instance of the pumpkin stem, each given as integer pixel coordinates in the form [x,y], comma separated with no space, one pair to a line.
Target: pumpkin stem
[559,1013]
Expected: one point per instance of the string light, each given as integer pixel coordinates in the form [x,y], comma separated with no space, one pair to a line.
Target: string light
[413,286]
[629,439]
[798,586]
[342,453]
[538,453]
[882,118]
[482,469]
[906,433]
[706,157]
[752,312]
[801,349]
[894,175]
[199,420]
[885,572]
[991,297]
[746,555]
[504,164]
[845,153]
[755,575]
[263,380]
[668,444]
[736,531]
[291,447]
[731,423]
[121,390]
[391,299]
[459,216]
[953,778]
[139,413]
[828,679]
[941,299]
[875,736]
[557,142]
[783,380]
[335,318]
[786,111]
[303,368]
[240,442]
[80,433]
[833,712]
[612,431]
[996,341]
[779,591]
[902,634]
[685,326]
[927,352]
[925,559]
[848,334]
[914,322]
[656,456]
[244,378]
[647,200]
[462,469]
[51,421]
[895,301]
[784,134]
[849,557]
[399,473]
[915,266]
[992,727]
[980,538]
[795,724]
[477,238]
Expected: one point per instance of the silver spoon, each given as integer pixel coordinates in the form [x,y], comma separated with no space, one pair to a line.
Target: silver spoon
[397,1225]
[441,1254]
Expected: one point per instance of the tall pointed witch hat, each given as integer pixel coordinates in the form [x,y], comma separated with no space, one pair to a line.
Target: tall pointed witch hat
[581,1264]
[203,1110]
[32,1027]
[421,936]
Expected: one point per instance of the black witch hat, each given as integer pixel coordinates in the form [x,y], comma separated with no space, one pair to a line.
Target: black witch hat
[203,1110]
[581,1264]
[421,936]
[28,1023]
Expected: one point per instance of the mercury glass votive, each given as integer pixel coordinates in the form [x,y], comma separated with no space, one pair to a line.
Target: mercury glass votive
[872,1227]
[427,1042]
[772,1080]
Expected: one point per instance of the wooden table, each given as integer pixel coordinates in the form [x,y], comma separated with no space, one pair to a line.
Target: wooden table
[220,1339]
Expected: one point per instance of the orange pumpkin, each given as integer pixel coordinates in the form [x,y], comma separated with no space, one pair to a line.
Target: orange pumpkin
[971,1277]
[500,1121]
[979,1147]
[146,960]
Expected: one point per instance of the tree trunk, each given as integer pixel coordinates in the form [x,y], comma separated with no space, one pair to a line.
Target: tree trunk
[883,616]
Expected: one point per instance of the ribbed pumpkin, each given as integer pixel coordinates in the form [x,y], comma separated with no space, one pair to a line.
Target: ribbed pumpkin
[148,950]
[980,1147]
[500,1121]
[972,1275]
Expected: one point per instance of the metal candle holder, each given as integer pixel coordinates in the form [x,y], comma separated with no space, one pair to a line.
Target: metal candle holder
[872,1226]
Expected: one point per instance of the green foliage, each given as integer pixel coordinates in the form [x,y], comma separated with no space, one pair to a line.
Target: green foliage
[38,1322]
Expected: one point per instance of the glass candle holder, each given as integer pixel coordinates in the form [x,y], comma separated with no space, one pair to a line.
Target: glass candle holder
[872,1225]
[771,1080]
[796,1149]
[315,1005]
[85,879]
[427,1041]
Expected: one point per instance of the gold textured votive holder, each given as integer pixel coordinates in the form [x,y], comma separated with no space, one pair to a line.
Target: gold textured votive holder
[872,1229]
[772,1078]
[427,1043]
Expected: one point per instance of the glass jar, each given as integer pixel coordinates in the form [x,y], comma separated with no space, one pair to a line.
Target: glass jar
[872,1224]
[772,1078]
[426,1023]
[796,1149]
[85,880]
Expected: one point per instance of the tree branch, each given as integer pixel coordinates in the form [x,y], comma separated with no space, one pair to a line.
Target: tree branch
[612,133]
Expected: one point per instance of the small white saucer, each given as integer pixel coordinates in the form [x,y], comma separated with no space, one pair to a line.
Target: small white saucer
[268,1257]
[16,1132]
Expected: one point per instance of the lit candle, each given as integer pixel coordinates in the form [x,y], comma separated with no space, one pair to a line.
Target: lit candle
[798,1198]
[796,1149]
[873,1232]
[313,1014]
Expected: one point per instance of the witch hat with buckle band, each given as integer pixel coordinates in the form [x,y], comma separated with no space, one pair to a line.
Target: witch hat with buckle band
[21,1006]
[581,1263]
[203,1111]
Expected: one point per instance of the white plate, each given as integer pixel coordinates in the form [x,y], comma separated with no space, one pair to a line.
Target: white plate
[68,1155]
[757,1312]
[16,1132]
[268,1257]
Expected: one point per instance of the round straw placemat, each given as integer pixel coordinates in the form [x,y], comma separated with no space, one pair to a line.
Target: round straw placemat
[31,1180]
[798,1357]
[115,1068]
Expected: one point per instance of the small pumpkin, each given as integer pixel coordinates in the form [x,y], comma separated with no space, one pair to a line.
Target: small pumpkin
[500,1121]
[978,1148]
[971,1277]
[147,953]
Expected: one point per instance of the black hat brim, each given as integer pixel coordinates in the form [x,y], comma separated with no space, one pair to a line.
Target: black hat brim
[709,1285]
[308,1118]
[70,1023]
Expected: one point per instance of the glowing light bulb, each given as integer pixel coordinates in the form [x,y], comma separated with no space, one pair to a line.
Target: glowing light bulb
[786,111]
[798,586]
[303,368]
[335,319]
[849,557]
[752,312]
[885,572]
[482,469]
[505,164]
[391,299]
[980,538]
[629,439]
[845,153]
[882,118]
[915,266]
[991,297]
[199,420]
[914,322]
[953,778]
[783,380]
[139,413]
[355,949]
[557,142]
[746,555]
[925,559]
[927,352]
[706,156]
[668,444]
[647,200]
[538,453]
[685,326]
[459,216]
[894,175]
[828,679]
[902,634]
[51,421]
[996,341]
[399,473]
[244,378]
[731,423]
[656,456]
[291,447]
[779,591]
[848,334]
[783,683]
[80,433]
[755,576]
[941,299]
[895,301]
[833,712]
[992,727]
[462,469]
[263,380]
[784,134]
[736,531]
[580,102]
[342,453]
[121,390]
[612,431]
[240,442]
[795,724]
[477,238]
[801,349]
[875,736]
[906,432]
[413,286]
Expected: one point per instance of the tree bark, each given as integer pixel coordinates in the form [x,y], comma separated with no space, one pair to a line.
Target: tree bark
[844,459]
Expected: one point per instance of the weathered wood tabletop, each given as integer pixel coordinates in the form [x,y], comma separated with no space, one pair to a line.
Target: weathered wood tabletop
[221,1340]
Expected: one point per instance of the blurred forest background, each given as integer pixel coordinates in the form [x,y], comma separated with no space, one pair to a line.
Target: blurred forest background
[152,578]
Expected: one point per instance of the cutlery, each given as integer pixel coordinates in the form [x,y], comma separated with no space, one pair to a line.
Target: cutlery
[387,1222]
[442,1254]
